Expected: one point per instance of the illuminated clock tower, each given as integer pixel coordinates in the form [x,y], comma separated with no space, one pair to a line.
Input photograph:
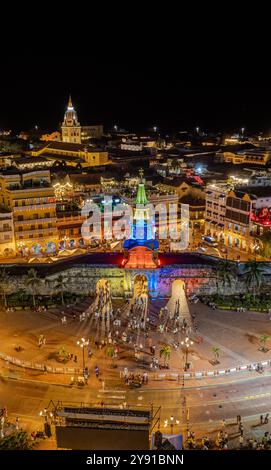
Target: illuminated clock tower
[71,129]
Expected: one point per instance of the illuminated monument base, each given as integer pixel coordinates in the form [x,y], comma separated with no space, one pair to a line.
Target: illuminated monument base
[141,257]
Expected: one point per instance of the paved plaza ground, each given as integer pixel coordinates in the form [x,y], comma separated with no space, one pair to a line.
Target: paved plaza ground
[236,335]
[25,391]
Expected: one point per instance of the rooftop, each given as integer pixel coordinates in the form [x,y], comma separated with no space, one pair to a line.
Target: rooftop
[72,147]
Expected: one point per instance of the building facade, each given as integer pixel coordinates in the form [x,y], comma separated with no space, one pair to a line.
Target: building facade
[215,210]
[247,212]
[91,132]
[31,199]
[73,153]
[7,240]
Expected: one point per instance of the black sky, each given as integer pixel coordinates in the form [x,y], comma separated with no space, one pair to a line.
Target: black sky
[134,96]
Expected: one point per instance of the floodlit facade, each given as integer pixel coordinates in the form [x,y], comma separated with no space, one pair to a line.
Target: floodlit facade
[7,240]
[31,199]
[215,210]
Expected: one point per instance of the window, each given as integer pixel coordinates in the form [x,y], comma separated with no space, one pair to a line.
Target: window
[20,217]
[40,227]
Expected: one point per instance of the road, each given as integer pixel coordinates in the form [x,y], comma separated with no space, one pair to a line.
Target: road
[207,405]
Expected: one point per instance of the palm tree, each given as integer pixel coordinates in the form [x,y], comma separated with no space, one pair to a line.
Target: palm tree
[17,440]
[215,352]
[254,275]
[165,352]
[32,281]
[60,286]
[4,283]
[226,273]
[263,339]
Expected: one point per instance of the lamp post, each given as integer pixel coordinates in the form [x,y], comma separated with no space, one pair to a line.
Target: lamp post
[173,422]
[83,343]
[48,416]
[186,344]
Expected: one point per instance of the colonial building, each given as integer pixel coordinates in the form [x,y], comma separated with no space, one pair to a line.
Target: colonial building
[182,186]
[196,210]
[91,132]
[30,197]
[7,241]
[257,157]
[74,154]
[215,210]
[245,209]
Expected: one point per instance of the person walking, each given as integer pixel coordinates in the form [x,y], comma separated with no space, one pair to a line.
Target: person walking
[241,441]
[266,419]
[261,419]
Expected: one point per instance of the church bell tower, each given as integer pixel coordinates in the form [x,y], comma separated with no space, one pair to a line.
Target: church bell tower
[71,129]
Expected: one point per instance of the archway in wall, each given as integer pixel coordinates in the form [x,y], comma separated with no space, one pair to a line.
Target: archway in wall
[36,249]
[140,285]
[103,307]
[141,298]
[177,304]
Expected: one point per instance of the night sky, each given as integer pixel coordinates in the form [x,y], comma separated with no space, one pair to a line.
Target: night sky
[133,97]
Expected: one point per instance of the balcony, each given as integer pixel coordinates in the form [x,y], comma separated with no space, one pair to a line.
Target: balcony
[44,205]
[36,220]
[35,232]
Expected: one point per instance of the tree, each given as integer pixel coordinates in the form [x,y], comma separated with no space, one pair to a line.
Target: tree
[263,340]
[226,273]
[254,275]
[215,352]
[18,440]
[63,354]
[110,352]
[60,286]
[32,281]
[165,352]
[4,284]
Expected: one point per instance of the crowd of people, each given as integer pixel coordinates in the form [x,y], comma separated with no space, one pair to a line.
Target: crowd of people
[234,439]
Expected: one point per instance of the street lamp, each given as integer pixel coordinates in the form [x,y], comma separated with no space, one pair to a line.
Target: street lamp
[186,344]
[48,416]
[83,343]
[172,423]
